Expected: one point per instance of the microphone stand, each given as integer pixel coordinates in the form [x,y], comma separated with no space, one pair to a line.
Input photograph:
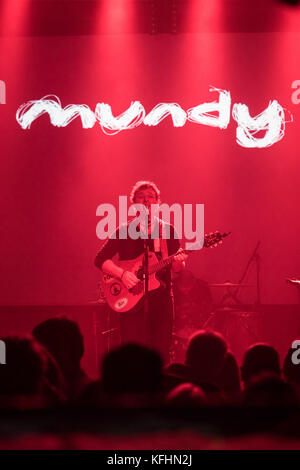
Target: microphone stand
[257,259]
[146,287]
[255,256]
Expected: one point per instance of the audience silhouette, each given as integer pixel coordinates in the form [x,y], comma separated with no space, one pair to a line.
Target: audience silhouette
[186,395]
[30,377]
[259,358]
[44,370]
[62,337]
[269,390]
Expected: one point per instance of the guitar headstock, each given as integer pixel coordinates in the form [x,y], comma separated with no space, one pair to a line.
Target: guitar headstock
[210,240]
[214,238]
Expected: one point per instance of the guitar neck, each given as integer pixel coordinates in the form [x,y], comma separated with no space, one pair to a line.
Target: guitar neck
[209,240]
[162,263]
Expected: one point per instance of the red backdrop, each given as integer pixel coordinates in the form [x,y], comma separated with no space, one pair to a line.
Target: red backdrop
[54,179]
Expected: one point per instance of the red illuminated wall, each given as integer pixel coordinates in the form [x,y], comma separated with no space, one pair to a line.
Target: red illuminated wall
[54,179]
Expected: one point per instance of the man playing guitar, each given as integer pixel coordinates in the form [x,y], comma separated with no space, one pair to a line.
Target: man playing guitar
[160,311]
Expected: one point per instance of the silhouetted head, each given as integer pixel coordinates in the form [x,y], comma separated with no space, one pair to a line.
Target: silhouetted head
[186,395]
[25,367]
[260,358]
[205,355]
[228,378]
[131,368]
[268,389]
[63,339]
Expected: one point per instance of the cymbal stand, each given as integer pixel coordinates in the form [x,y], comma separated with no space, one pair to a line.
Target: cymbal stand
[233,294]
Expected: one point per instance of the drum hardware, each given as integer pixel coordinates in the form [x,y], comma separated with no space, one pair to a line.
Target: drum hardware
[180,339]
[231,284]
[240,328]
[233,293]
[224,315]
[97,329]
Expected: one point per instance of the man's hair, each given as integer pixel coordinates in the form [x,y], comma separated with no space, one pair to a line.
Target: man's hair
[62,338]
[205,354]
[25,368]
[258,358]
[131,368]
[140,186]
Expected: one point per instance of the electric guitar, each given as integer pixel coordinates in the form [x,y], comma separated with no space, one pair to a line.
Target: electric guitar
[121,299]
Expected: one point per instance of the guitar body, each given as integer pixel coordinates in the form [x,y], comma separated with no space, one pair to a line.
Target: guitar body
[118,297]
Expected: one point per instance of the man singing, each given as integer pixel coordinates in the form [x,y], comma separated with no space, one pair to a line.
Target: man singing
[160,312]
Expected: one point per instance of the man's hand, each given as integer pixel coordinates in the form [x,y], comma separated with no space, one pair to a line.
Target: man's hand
[179,261]
[129,279]
[181,256]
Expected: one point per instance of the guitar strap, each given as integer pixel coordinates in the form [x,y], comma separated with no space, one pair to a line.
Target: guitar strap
[165,254]
[163,240]
[160,244]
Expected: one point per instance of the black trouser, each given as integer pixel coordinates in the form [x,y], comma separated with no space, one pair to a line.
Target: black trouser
[158,331]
